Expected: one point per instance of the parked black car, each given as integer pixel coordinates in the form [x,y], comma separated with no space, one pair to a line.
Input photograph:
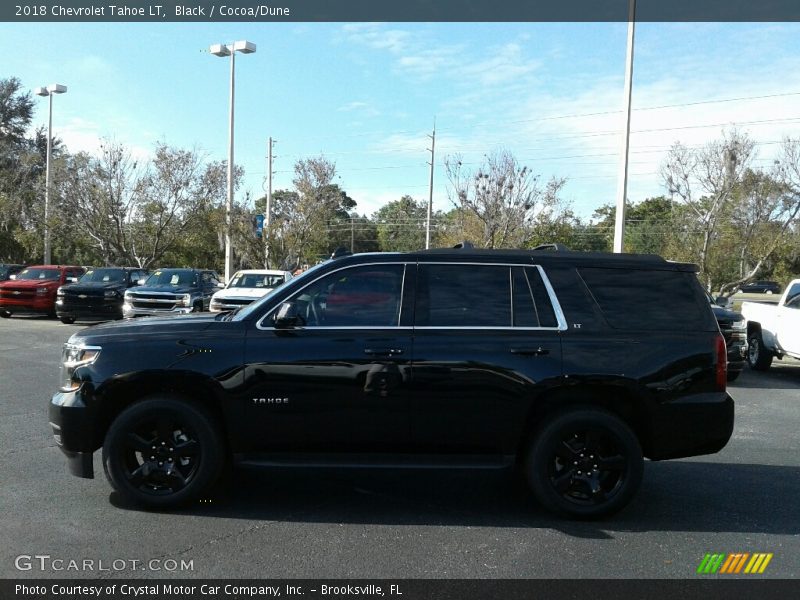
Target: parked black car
[6,271]
[98,294]
[172,291]
[734,329]
[556,361]
[760,287]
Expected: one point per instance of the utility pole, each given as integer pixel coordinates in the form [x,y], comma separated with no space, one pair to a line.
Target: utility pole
[352,234]
[622,175]
[268,216]
[430,188]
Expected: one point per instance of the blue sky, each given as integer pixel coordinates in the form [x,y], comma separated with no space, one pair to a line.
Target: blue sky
[365,95]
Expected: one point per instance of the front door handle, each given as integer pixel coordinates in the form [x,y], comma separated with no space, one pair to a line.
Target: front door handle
[383,351]
[530,351]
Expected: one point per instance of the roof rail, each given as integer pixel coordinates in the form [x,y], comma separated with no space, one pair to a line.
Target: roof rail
[553,247]
[465,245]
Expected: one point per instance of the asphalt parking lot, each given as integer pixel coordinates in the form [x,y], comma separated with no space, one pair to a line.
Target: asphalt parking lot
[379,524]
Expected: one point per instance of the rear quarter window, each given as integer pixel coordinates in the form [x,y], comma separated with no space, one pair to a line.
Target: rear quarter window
[648,300]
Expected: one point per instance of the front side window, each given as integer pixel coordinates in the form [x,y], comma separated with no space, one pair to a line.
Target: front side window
[461,295]
[366,296]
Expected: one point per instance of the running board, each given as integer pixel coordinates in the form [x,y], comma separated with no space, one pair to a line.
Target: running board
[376,461]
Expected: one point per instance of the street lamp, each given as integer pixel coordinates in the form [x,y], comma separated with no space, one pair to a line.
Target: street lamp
[244,47]
[53,88]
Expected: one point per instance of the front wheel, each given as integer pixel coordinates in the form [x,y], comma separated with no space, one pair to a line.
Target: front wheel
[758,357]
[585,463]
[5,314]
[162,452]
[67,320]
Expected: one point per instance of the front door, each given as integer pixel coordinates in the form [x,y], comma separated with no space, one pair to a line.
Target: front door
[788,327]
[337,381]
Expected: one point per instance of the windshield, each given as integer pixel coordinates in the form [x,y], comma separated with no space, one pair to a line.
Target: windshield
[256,280]
[40,274]
[248,310]
[173,277]
[104,276]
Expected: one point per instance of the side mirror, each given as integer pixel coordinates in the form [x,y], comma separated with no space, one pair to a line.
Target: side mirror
[72,279]
[141,281]
[220,285]
[287,316]
[12,277]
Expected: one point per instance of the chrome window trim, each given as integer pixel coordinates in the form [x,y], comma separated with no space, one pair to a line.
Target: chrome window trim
[560,318]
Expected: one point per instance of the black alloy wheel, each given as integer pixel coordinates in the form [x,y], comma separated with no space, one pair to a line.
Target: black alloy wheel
[584,463]
[162,452]
[67,320]
[758,357]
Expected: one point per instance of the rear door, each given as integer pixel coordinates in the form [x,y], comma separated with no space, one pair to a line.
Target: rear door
[486,341]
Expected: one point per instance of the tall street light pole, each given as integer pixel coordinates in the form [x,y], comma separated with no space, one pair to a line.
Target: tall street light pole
[244,47]
[53,88]
[622,176]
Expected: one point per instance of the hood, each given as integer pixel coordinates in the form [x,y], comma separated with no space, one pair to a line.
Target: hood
[170,289]
[242,293]
[723,314]
[29,283]
[144,326]
[77,288]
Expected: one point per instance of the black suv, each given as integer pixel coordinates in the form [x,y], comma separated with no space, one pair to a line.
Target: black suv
[555,361]
[6,271]
[98,294]
[172,291]
[760,287]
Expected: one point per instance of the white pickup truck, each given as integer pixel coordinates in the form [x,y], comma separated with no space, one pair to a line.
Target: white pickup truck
[773,330]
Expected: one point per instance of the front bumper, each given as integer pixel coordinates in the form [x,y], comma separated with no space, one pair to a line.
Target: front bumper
[73,429]
[32,305]
[691,426]
[110,310]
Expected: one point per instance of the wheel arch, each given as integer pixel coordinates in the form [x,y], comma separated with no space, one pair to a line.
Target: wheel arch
[619,400]
[192,387]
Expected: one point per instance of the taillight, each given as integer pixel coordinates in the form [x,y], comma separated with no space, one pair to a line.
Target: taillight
[722,364]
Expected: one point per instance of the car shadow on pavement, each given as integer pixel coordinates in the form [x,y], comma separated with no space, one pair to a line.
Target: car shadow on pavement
[784,376]
[675,496]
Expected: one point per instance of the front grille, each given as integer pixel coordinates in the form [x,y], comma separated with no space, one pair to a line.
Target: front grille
[17,293]
[83,299]
[153,301]
[234,301]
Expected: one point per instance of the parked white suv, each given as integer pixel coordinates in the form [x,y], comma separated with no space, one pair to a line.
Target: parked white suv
[247,286]
[773,330]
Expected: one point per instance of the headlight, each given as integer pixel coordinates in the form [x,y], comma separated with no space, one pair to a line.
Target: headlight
[72,357]
[60,291]
[111,294]
[184,300]
[128,297]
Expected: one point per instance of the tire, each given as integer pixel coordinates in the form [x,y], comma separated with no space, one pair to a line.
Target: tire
[733,375]
[5,314]
[187,452]
[598,444]
[758,357]
[67,320]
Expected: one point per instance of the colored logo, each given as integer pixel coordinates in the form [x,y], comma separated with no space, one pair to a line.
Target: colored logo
[740,562]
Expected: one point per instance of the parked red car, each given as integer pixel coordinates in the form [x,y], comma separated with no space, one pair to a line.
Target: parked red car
[34,289]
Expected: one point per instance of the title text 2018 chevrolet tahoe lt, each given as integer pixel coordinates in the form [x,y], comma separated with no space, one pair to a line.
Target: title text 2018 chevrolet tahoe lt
[556,361]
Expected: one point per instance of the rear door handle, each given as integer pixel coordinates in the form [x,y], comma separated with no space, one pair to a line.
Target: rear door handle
[530,351]
[383,351]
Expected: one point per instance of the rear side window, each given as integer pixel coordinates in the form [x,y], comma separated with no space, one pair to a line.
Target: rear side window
[531,303]
[463,296]
[647,300]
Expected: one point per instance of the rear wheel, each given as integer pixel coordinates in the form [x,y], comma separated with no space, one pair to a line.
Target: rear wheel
[5,314]
[162,452]
[758,357]
[67,320]
[585,463]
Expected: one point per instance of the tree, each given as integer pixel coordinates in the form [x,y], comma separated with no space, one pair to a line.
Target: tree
[401,225]
[503,198]
[16,112]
